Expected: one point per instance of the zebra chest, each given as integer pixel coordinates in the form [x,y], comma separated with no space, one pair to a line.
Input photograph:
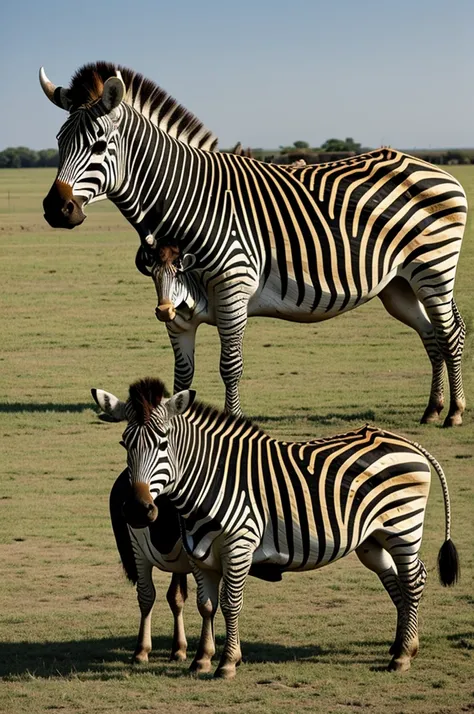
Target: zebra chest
[171,558]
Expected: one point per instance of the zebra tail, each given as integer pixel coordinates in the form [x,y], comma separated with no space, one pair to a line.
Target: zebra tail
[448,563]
[449,570]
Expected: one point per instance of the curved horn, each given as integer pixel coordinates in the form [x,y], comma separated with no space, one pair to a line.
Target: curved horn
[56,95]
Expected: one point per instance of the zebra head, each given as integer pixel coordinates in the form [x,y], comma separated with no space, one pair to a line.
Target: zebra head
[174,292]
[89,147]
[150,453]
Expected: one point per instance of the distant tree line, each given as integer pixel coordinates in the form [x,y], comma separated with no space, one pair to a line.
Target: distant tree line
[330,145]
[21,157]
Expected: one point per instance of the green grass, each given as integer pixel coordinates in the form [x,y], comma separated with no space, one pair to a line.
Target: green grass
[75,315]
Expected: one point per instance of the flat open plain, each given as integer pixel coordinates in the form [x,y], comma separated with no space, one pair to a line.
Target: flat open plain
[76,314]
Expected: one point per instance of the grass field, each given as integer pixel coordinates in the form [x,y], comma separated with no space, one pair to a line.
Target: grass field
[76,314]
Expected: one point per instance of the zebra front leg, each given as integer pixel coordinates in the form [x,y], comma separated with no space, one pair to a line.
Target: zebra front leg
[207,601]
[183,344]
[146,595]
[176,596]
[231,321]
[232,596]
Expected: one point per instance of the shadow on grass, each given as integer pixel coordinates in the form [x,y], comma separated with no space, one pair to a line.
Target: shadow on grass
[18,407]
[110,658]
[324,419]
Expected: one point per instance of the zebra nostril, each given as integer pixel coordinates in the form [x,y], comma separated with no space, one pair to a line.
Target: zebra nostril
[150,507]
[69,208]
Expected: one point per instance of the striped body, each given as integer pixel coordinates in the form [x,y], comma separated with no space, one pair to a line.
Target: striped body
[253,504]
[301,506]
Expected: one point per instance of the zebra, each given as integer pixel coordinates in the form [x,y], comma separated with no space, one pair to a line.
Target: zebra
[302,244]
[141,549]
[248,500]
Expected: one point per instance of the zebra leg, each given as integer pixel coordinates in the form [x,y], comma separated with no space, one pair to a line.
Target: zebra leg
[231,320]
[379,561]
[454,342]
[207,601]
[450,333]
[146,595]
[183,344]
[403,548]
[412,578]
[232,595]
[401,302]
[176,596]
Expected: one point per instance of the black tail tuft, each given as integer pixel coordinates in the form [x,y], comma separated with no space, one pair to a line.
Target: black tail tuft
[448,563]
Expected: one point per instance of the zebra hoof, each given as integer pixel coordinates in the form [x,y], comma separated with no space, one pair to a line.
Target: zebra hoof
[431,415]
[453,420]
[200,666]
[400,664]
[225,672]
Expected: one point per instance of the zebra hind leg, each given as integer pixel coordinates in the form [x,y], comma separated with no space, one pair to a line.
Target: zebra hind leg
[401,302]
[450,333]
[176,596]
[412,577]
[379,561]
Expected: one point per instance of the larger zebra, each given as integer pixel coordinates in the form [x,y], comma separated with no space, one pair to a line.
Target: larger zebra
[248,500]
[302,244]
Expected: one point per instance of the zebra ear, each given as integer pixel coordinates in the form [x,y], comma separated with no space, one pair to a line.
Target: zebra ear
[180,402]
[114,92]
[112,406]
[187,262]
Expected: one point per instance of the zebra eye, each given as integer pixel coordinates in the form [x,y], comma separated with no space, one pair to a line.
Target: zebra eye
[99,147]
[163,445]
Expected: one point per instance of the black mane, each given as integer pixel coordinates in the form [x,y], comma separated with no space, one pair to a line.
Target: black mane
[145,395]
[145,96]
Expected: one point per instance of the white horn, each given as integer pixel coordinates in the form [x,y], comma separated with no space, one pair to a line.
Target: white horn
[59,98]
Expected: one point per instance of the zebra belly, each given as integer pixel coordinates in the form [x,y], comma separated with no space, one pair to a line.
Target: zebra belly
[268,301]
[176,561]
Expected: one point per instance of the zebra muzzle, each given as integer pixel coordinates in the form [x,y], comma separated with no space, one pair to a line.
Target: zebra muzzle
[166,312]
[140,510]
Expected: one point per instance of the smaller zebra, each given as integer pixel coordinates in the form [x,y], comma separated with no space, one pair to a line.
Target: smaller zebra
[141,549]
[249,501]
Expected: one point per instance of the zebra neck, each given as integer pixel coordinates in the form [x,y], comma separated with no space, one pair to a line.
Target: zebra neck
[202,442]
[158,173]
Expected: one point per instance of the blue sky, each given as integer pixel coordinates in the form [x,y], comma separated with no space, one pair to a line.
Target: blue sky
[262,72]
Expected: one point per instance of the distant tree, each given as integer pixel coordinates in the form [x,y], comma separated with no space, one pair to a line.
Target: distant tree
[341,145]
[10,158]
[299,145]
[16,157]
[28,157]
[48,157]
